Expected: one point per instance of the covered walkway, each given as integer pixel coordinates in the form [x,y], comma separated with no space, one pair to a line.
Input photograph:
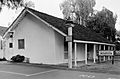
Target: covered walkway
[90,53]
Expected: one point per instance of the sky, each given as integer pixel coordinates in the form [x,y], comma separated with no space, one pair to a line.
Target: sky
[52,7]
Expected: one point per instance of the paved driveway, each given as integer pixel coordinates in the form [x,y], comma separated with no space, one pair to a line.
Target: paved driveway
[16,71]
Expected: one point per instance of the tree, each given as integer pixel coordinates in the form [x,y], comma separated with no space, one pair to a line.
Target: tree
[14,4]
[29,4]
[67,9]
[11,3]
[103,22]
[77,10]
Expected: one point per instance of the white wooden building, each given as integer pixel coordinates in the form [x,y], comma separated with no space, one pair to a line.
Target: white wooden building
[41,38]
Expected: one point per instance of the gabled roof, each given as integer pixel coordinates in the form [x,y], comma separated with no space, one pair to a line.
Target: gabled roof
[79,32]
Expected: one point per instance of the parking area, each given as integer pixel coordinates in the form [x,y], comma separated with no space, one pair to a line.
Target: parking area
[20,71]
[25,70]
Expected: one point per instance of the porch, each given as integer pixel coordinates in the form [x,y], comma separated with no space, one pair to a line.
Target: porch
[86,52]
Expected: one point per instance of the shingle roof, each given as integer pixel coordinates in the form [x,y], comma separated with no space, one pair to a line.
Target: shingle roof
[79,32]
[56,22]
[85,34]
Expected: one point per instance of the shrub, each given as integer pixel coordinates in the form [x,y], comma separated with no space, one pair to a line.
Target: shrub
[18,58]
[3,59]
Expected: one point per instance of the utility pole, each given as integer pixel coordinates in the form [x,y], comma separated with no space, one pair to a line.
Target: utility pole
[69,24]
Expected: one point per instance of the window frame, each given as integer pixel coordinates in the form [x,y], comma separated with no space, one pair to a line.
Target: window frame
[10,45]
[21,43]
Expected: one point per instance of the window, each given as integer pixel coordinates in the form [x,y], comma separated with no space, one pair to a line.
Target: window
[11,34]
[10,45]
[21,44]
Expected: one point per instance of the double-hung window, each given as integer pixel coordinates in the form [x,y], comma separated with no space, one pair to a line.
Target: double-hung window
[21,44]
[10,45]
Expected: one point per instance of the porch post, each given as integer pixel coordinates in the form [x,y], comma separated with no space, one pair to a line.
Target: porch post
[85,53]
[113,55]
[94,54]
[104,56]
[112,50]
[108,49]
[75,54]
[99,56]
